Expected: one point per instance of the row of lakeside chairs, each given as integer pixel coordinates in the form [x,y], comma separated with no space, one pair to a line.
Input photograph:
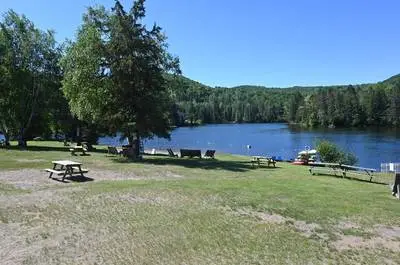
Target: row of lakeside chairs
[192,153]
[112,150]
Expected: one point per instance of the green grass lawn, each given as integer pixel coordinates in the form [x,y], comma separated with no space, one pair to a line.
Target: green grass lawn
[193,211]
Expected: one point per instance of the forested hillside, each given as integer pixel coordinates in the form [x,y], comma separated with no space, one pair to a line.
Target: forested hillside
[341,106]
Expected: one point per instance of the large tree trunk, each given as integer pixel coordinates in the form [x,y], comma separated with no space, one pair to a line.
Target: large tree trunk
[22,139]
[130,140]
[133,149]
[130,152]
[137,145]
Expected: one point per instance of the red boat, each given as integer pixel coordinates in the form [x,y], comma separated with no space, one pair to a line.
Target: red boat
[305,157]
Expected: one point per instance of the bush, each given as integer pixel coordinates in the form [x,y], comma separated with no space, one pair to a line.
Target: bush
[331,153]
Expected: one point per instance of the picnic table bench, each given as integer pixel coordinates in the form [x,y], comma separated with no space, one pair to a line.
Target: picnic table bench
[263,159]
[343,170]
[66,167]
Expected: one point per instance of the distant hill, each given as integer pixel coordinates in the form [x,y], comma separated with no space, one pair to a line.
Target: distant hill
[189,82]
[392,80]
[375,104]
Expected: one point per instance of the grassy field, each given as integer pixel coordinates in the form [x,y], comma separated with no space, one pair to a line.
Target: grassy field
[189,211]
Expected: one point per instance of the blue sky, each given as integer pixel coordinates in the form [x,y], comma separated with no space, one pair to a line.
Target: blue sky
[276,43]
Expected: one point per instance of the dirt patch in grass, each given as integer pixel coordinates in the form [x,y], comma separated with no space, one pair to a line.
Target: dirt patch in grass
[345,224]
[39,198]
[34,179]
[388,232]
[128,175]
[24,244]
[353,236]
[352,242]
[306,229]
[31,160]
[378,237]
[27,178]
[130,198]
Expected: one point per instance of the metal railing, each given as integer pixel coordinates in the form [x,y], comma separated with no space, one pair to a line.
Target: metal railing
[390,167]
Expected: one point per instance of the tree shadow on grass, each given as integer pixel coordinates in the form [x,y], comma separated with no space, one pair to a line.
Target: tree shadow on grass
[208,164]
[49,148]
[74,178]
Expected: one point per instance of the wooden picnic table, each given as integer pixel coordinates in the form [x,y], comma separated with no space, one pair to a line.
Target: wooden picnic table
[66,167]
[78,148]
[262,159]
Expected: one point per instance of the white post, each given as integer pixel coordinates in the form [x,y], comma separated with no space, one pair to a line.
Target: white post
[248,149]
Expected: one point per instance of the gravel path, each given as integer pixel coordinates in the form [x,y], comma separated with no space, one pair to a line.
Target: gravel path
[34,179]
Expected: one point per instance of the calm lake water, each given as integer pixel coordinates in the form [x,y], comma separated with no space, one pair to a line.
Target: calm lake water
[372,147]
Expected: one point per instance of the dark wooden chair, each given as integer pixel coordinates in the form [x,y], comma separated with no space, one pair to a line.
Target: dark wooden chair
[190,153]
[88,146]
[171,153]
[209,154]
[114,151]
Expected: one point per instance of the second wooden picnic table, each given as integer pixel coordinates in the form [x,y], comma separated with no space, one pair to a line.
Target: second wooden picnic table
[78,148]
[259,159]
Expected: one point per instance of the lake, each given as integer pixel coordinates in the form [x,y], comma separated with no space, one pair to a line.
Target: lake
[372,147]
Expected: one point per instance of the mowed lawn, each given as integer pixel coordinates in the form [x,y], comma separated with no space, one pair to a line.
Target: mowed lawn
[189,211]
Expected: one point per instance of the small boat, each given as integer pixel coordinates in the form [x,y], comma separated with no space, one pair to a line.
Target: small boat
[306,157]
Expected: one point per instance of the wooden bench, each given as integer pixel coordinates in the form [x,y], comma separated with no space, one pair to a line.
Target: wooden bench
[83,170]
[341,170]
[326,168]
[61,172]
[263,159]
[358,170]
[190,153]
[55,171]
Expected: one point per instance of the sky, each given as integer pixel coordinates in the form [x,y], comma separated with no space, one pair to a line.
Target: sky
[274,43]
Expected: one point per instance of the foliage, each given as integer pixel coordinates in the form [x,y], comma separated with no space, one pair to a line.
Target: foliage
[331,153]
[29,73]
[333,106]
[114,72]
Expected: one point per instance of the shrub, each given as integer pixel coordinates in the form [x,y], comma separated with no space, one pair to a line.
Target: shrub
[331,153]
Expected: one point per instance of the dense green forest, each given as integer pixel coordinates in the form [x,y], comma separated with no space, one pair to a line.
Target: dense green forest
[334,106]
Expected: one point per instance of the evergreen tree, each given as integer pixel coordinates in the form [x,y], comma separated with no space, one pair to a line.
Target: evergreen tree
[115,73]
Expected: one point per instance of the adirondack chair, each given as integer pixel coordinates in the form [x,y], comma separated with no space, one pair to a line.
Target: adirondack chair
[209,154]
[112,150]
[171,153]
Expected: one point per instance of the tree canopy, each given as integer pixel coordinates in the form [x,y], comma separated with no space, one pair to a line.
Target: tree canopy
[30,75]
[114,72]
[333,106]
